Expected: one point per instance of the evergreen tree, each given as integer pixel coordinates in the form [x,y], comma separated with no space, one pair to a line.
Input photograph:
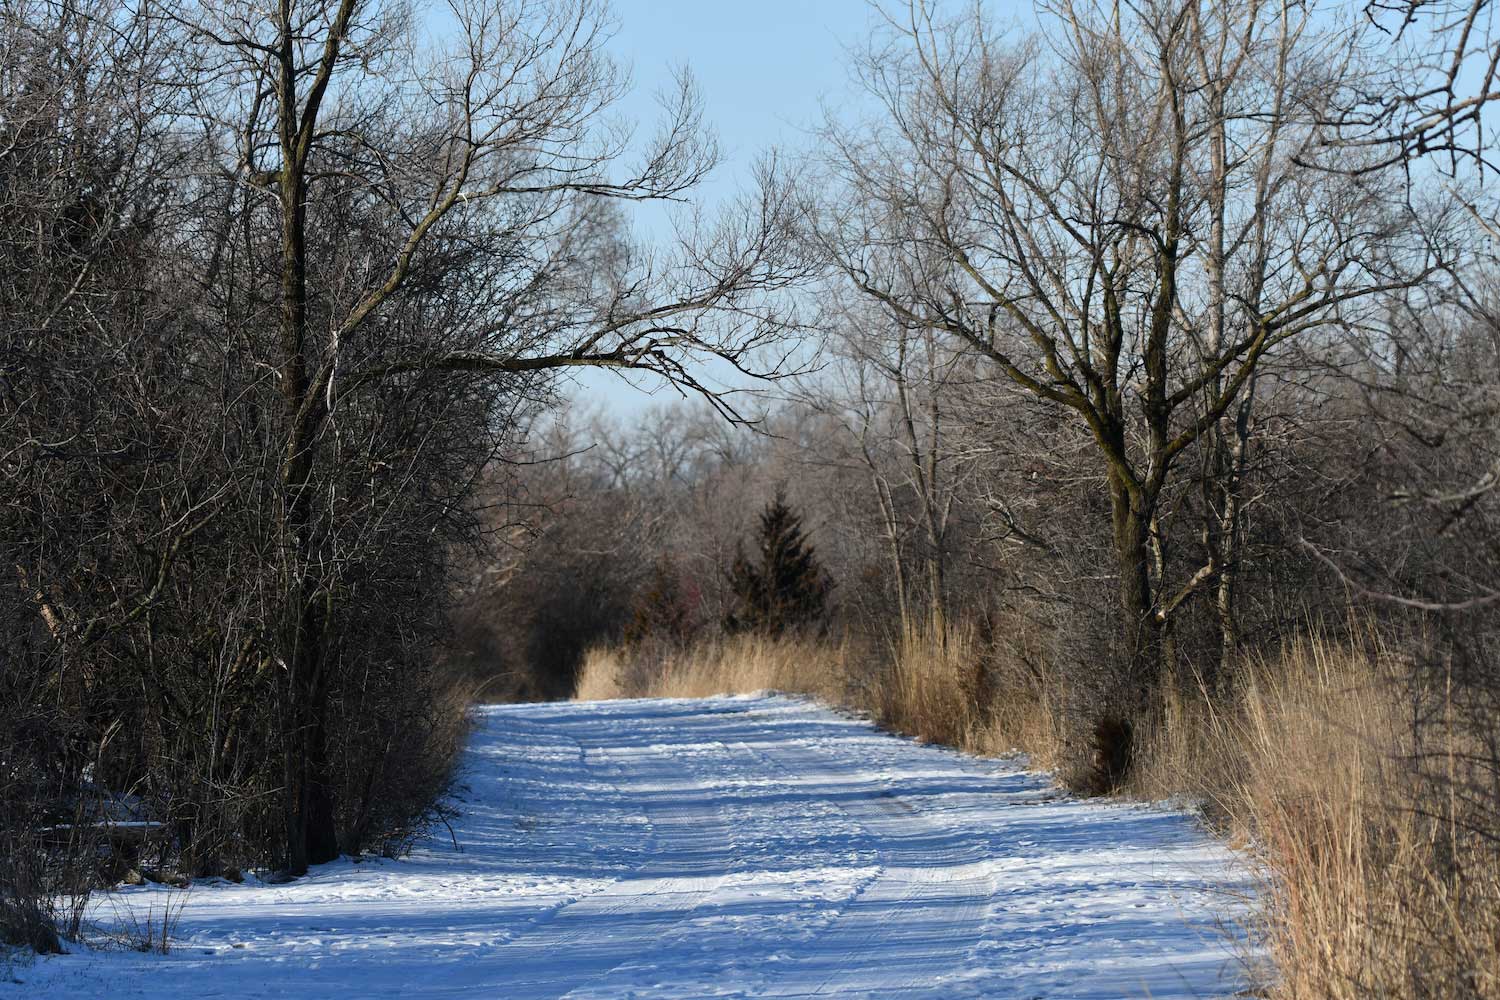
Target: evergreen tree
[786,588]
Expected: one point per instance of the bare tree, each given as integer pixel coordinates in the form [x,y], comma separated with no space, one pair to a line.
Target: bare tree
[891,390]
[1116,218]
[1429,104]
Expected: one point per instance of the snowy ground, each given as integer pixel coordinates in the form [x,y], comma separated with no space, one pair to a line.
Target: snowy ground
[733,847]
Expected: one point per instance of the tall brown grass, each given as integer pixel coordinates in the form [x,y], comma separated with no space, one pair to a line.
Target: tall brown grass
[950,689]
[736,665]
[1381,875]
[940,689]
[1379,885]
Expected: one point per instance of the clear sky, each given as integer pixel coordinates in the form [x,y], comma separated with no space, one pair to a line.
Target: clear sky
[765,68]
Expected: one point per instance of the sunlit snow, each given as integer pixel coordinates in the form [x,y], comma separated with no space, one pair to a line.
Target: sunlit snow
[754,846]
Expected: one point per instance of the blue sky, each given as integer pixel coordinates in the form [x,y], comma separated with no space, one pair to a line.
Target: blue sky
[764,68]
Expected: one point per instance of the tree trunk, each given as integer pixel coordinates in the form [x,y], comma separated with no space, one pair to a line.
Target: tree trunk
[1123,700]
[1231,532]
[311,838]
[1166,633]
[1139,654]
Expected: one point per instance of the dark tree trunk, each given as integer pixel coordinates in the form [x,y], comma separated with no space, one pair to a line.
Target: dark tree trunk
[1132,555]
[1124,700]
[311,837]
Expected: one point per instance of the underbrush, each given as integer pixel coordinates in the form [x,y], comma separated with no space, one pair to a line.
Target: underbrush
[66,842]
[148,925]
[400,767]
[1367,799]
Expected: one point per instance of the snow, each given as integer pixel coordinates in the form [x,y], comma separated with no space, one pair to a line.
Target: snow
[755,846]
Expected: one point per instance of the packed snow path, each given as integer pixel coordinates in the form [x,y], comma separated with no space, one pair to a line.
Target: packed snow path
[731,847]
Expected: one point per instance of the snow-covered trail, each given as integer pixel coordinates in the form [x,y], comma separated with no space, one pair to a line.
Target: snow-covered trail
[756,846]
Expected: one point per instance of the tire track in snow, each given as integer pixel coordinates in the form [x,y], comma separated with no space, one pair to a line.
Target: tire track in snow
[770,821]
[1047,872]
[917,921]
[687,857]
[567,925]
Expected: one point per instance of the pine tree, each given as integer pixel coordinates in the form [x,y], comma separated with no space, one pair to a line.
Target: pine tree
[786,588]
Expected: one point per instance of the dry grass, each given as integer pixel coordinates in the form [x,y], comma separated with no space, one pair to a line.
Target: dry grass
[940,690]
[952,690]
[934,690]
[1381,872]
[736,665]
[1376,887]
[143,925]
